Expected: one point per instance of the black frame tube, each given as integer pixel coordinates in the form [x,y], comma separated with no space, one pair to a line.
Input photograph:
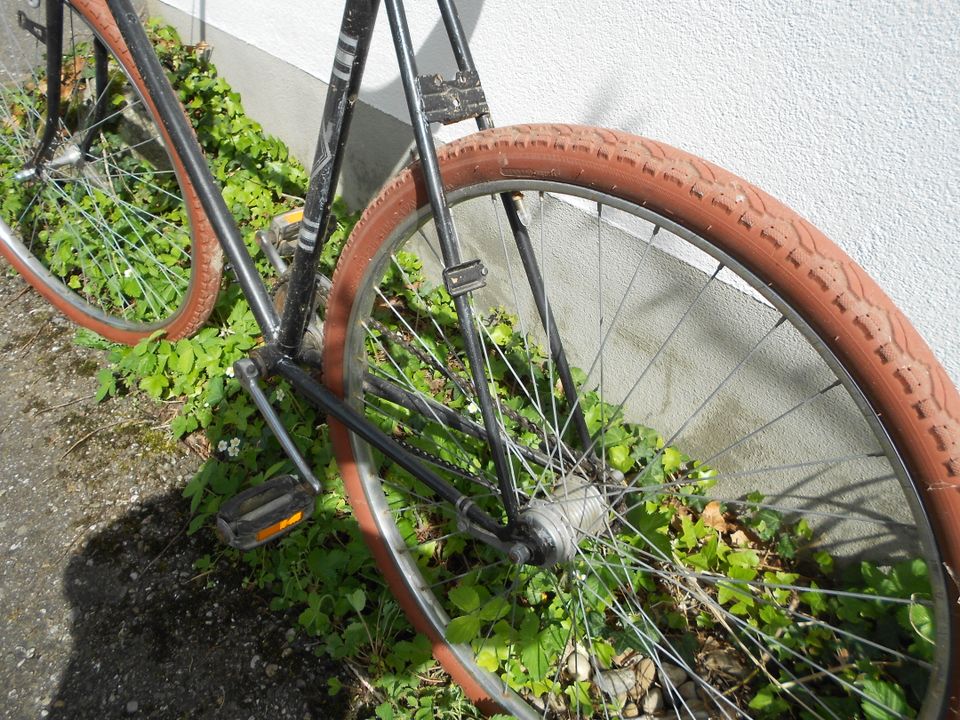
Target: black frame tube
[450,249]
[188,149]
[353,45]
[54,43]
[461,49]
[100,106]
[529,261]
[464,58]
[356,422]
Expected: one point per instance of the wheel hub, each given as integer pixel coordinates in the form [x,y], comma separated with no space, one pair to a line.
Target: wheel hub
[69,155]
[575,510]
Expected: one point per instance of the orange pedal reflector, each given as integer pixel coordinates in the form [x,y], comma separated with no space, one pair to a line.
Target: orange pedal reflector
[269,532]
[265,512]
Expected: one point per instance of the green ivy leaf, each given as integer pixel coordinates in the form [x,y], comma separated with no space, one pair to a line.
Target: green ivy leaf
[744,558]
[825,561]
[184,357]
[495,608]
[463,629]
[619,456]
[153,385]
[884,700]
[181,425]
[672,459]
[107,384]
[487,658]
[215,391]
[465,598]
[357,599]
[534,658]
[768,703]
[198,522]
[919,619]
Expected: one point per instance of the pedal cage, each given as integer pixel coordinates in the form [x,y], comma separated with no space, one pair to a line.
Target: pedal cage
[284,230]
[265,512]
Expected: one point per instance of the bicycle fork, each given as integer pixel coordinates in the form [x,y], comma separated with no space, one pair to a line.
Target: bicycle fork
[75,150]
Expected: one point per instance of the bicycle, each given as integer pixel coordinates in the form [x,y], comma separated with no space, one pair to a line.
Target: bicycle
[513,473]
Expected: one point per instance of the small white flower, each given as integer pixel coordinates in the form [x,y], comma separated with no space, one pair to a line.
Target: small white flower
[128,272]
[222,446]
[280,395]
[229,371]
[472,407]
[234,448]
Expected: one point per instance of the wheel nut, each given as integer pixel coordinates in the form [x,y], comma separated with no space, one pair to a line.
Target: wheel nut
[519,554]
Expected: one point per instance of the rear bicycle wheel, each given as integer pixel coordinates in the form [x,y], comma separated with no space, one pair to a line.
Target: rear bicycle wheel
[109,229]
[784,537]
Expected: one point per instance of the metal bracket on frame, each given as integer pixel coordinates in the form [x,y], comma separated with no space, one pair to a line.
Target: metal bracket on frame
[465,277]
[38,30]
[450,101]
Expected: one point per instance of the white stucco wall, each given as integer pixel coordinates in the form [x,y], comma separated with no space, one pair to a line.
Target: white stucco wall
[847,111]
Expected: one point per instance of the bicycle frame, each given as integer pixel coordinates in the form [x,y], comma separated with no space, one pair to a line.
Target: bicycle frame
[284,334]
[599,530]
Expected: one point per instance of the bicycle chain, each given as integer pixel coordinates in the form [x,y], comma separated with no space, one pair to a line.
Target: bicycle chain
[445,464]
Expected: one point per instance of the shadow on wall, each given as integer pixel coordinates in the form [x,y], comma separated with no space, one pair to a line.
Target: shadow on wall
[153,637]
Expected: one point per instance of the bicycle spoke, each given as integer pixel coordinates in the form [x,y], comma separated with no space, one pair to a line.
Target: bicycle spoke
[719,535]
[111,228]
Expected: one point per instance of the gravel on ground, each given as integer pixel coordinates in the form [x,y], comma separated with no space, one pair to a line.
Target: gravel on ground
[102,613]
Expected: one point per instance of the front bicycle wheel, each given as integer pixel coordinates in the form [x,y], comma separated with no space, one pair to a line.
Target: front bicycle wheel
[107,226]
[766,520]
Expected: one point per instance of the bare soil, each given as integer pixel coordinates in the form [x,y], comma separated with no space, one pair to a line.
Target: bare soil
[102,614]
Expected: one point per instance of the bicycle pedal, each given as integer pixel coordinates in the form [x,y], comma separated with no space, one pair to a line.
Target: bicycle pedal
[284,230]
[265,512]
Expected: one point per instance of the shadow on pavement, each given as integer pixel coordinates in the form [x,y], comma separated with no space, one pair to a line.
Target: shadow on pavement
[154,638]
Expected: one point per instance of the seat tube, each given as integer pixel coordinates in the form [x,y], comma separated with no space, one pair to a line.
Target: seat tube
[353,44]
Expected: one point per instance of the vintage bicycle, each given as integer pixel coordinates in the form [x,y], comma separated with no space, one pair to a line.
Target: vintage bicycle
[624,433]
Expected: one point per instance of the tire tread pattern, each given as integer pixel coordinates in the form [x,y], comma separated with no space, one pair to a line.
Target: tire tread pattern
[795,242]
[861,325]
[206,255]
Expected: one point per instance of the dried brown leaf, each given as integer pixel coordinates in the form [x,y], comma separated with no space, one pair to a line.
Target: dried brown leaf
[712,517]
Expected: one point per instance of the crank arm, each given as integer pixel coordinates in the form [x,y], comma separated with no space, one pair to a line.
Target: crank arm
[247,374]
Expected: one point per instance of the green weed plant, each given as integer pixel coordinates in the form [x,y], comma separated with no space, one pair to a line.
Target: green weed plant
[324,573]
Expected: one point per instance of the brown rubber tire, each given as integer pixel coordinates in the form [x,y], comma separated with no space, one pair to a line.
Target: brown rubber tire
[887,358]
[206,256]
